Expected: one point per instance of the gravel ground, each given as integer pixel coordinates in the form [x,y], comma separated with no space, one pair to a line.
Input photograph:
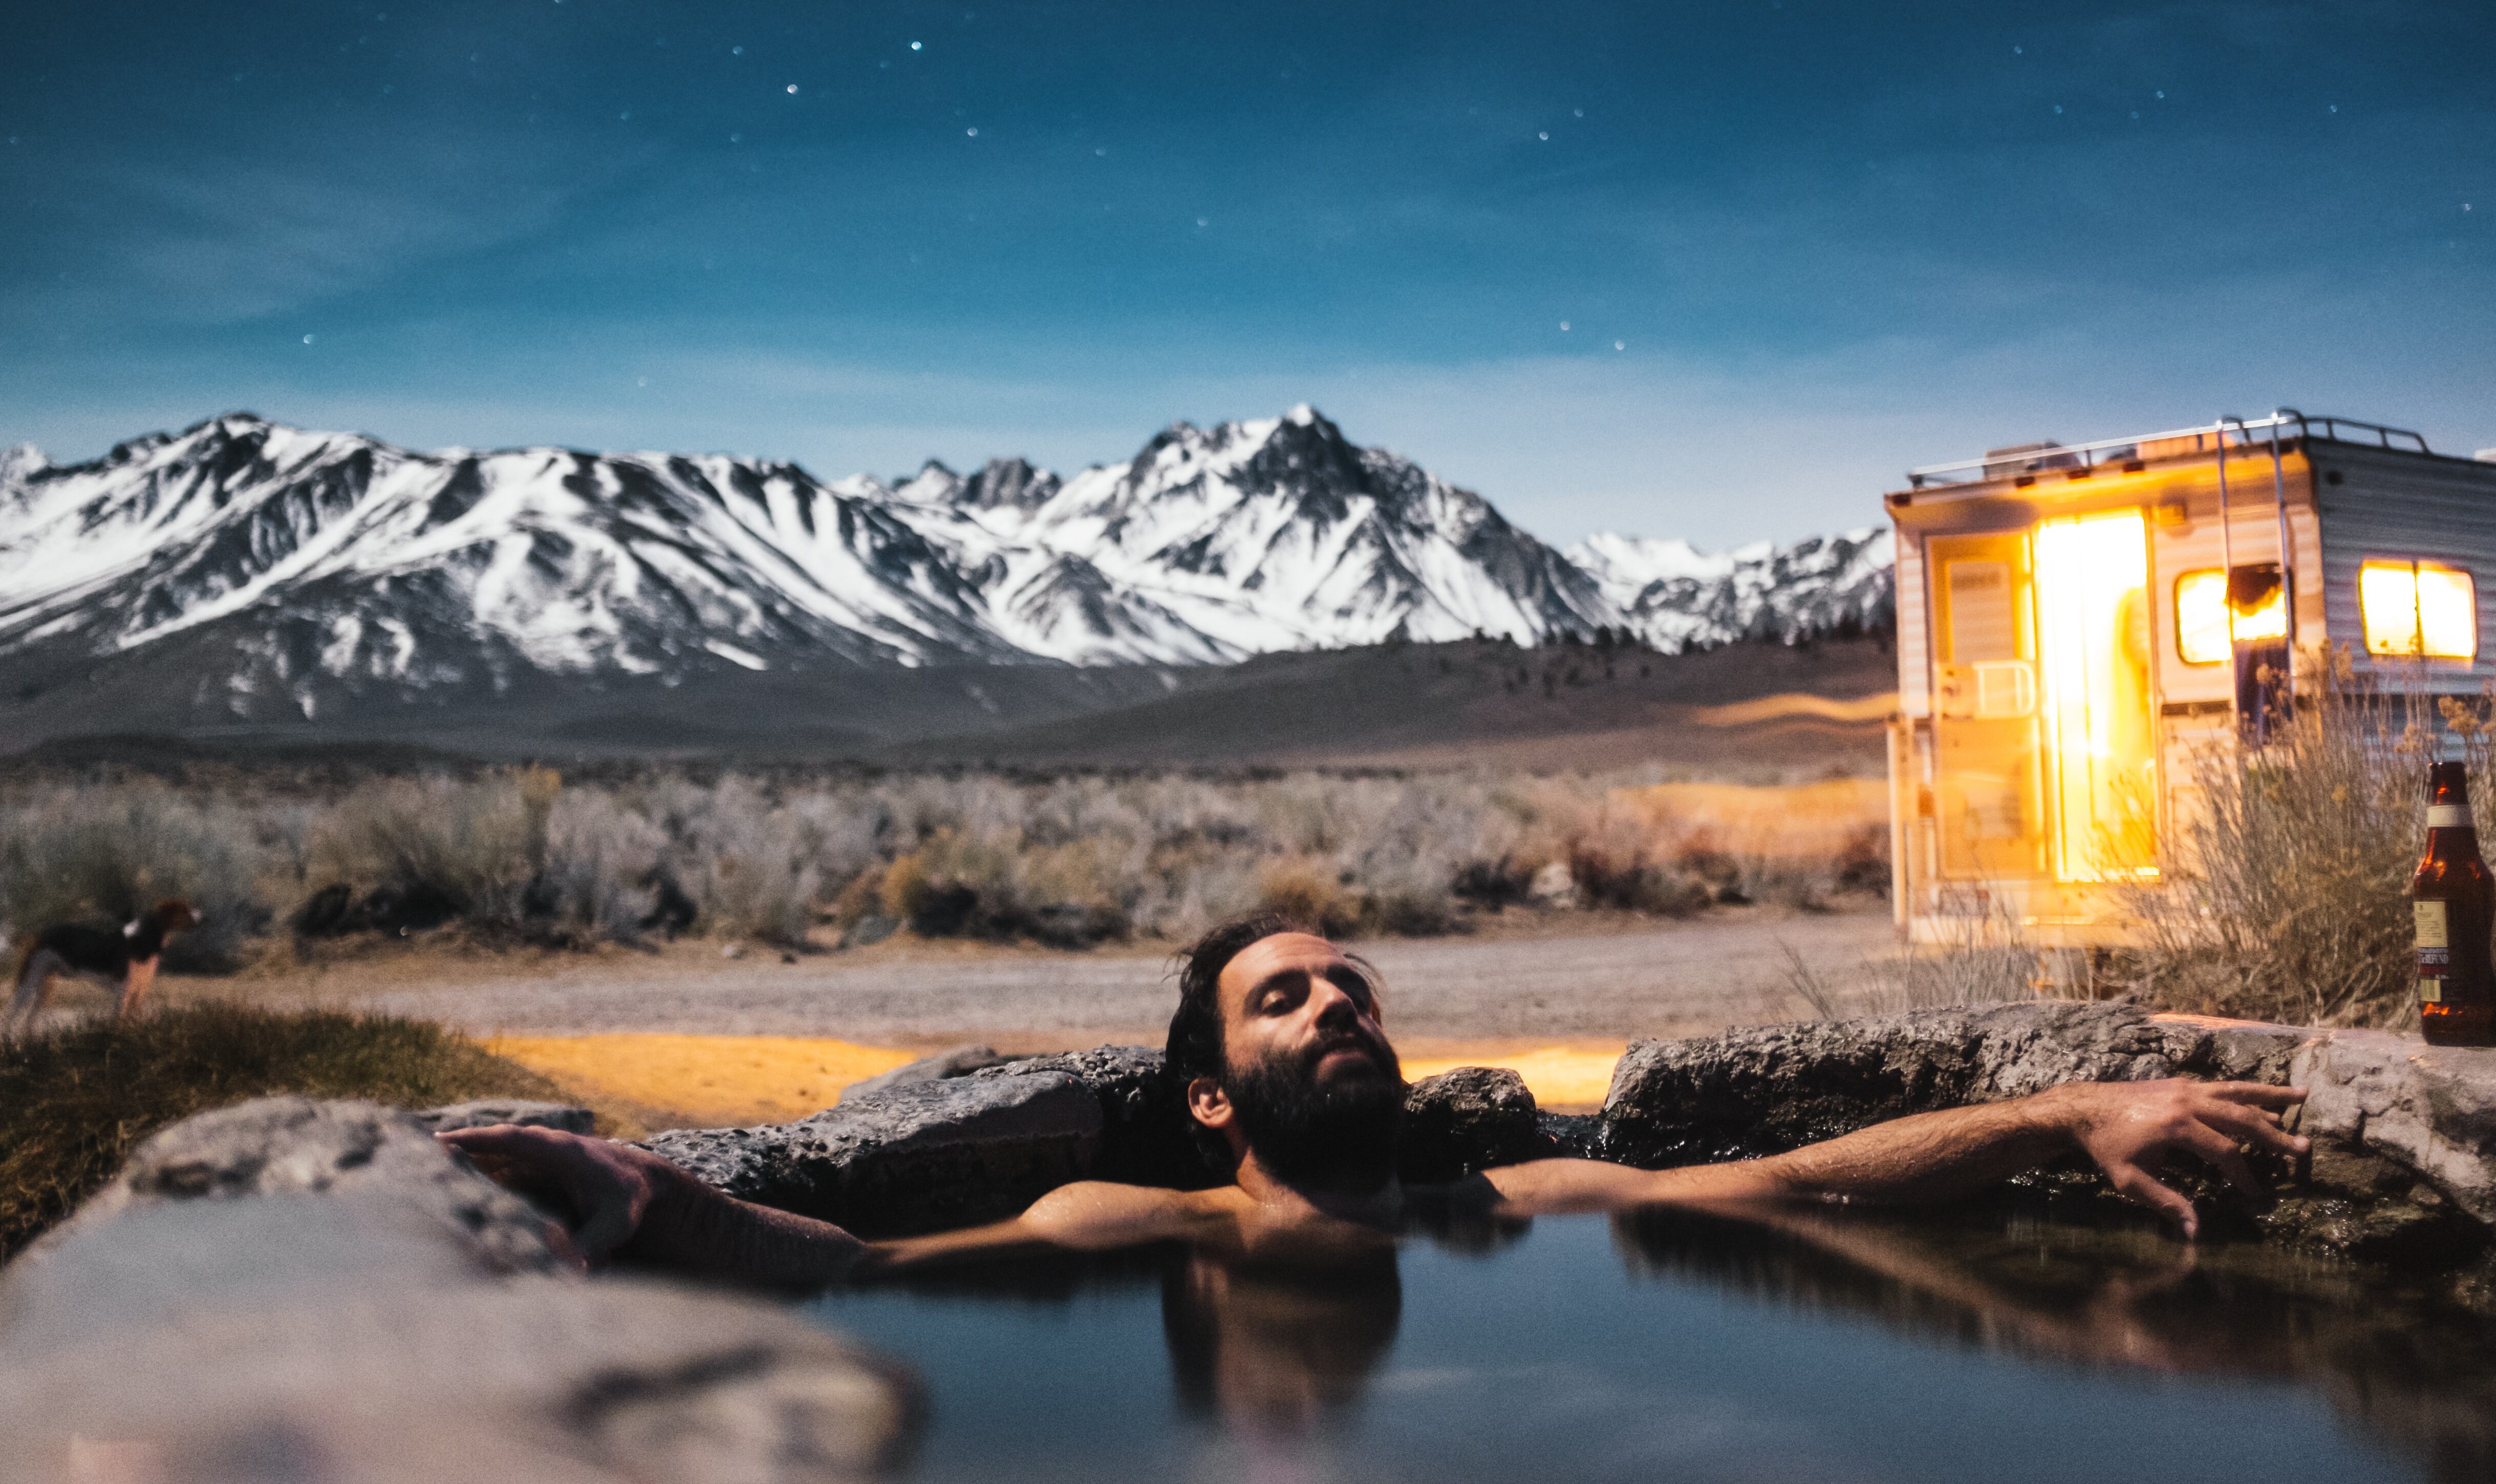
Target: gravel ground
[1554,986]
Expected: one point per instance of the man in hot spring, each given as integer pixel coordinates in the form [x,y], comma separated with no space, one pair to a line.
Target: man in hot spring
[1279,1036]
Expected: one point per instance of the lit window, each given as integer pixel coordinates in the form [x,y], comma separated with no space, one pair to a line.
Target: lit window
[2208,617]
[2413,608]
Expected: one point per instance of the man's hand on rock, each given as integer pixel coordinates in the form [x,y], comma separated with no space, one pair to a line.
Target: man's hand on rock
[609,1191]
[2129,1128]
[629,1202]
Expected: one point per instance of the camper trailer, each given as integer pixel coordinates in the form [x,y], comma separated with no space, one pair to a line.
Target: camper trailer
[2074,622]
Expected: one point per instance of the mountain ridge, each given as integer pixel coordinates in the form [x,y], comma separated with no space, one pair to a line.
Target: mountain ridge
[304,565]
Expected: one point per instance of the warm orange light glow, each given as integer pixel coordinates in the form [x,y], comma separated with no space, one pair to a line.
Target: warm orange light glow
[2388,602]
[2208,626]
[2093,649]
[2412,608]
[2448,607]
[2264,620]
[2202,616]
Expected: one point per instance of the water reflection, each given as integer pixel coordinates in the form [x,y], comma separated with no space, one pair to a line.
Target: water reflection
[1276,1352]
[2411,1365]
[1532,1345]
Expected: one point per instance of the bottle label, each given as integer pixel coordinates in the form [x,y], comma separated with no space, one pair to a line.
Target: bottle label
[2434,939]
[2447,816]
[2430,991]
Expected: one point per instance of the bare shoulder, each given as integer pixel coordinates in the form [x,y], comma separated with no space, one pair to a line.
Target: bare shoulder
[1101,1213]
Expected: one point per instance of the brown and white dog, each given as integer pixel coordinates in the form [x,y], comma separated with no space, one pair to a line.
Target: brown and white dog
[121,959]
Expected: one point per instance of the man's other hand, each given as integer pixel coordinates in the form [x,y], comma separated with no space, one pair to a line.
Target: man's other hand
[608,1190]
[2129,1128]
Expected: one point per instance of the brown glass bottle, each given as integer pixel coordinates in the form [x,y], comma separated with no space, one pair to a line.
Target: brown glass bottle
[2454,900]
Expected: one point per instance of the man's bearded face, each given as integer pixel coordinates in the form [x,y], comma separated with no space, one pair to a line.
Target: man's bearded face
[1322,1115]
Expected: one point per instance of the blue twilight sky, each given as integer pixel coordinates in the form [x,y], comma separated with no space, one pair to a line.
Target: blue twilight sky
[1714,269]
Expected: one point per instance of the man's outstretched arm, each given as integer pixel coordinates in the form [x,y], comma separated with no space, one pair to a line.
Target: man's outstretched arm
[2128,1127]
[631,1203]
[628,1202]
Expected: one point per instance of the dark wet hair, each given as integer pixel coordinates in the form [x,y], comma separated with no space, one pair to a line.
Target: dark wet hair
[1195,1046]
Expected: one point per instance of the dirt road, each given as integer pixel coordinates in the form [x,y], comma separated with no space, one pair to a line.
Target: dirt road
[1602,983]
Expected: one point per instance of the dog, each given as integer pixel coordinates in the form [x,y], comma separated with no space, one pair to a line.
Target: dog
[120,959]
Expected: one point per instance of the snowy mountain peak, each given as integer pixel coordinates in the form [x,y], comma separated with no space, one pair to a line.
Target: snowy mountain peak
[1634,561]
[21,463]
[335,559]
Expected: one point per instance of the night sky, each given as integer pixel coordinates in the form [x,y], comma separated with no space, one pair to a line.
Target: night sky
[1719,271]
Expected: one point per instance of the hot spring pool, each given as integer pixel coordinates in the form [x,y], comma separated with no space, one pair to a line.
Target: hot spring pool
[1673,1347]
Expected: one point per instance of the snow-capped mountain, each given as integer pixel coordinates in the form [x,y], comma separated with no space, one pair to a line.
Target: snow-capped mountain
[1677,597]
[342,557]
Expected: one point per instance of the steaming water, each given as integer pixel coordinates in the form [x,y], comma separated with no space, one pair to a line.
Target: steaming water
[1670,1347]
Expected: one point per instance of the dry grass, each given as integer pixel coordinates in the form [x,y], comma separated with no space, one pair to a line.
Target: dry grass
[71,854]
[1988,964]
[2286,898]
[522,856]
[75,1102]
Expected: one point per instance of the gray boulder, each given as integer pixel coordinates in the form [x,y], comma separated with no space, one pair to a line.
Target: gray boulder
[1767,1089]
[958,1062]
[2403,1169]
[949,1151]
[956,1149]
[2430,1110]
[292,1289]
[921,1156]
[487,1112]
[1465,1121]
[378,1158]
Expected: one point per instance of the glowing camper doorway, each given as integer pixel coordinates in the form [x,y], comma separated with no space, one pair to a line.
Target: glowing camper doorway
[2094,653]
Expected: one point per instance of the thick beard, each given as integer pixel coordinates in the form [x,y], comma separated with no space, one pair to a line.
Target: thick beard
[1339,1138]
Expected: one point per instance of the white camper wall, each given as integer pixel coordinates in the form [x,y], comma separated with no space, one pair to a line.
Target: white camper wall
[2406,507]
[1914,663]
[2195,544]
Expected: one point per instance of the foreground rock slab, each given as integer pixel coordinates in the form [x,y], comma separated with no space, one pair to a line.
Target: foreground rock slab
[2404,1167]
[318,1290]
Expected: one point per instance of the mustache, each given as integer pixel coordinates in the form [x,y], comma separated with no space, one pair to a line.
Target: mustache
[1351,1039]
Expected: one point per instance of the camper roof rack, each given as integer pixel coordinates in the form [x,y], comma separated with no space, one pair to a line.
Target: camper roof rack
[2029,457]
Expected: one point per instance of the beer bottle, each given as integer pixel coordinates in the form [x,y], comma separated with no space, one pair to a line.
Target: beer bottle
[2454,901]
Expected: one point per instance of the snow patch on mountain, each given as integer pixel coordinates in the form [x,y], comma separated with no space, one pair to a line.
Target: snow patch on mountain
[346,557]
[1675,596]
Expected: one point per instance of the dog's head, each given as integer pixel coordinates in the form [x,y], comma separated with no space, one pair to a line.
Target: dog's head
[173,915]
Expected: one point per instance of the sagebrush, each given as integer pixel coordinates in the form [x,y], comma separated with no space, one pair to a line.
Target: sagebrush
[522,854]
[2285,894]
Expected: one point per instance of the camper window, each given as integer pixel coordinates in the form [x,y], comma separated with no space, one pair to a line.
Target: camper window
[2212,615]
[2418,608]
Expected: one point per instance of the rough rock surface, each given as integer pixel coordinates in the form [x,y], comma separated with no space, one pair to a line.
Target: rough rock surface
[290,1289]
[1146,1135]
[297,1146]
[1467,1119]
[920,1157]
[1765,1089]
[948,1150]
[489,1111]
[955,1062]
[2428,1109]
[2403,1169]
